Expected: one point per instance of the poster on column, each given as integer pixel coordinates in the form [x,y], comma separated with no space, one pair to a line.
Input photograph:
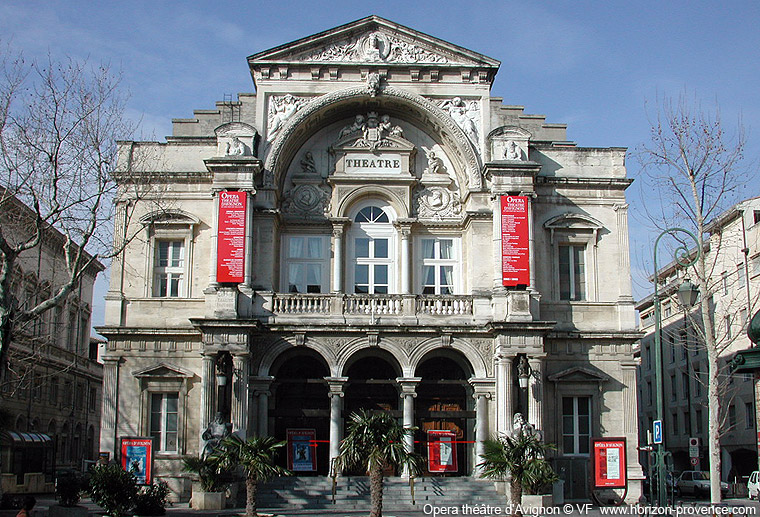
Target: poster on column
[515,236]
[442,451]
[137,457]
[230,253]
[609,462]
[302,450]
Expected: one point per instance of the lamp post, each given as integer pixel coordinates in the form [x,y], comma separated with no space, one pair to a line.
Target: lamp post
[687,294]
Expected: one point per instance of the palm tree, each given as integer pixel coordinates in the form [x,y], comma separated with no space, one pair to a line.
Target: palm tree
[521,456]
[256,456]
[375,441]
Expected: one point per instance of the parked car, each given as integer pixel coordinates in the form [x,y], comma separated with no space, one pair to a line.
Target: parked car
[697,483]
[753,485]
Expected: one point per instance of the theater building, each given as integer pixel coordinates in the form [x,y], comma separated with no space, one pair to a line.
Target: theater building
[371,229]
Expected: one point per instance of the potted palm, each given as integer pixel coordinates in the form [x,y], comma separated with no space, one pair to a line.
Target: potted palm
[522,458]
[256,457]
[209,490]
[68,490]
[374,443]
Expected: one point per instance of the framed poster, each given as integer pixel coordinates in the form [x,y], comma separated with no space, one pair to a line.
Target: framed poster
[515,236]
[137,457]
[609,463]
[302,450]
[230,247]
[442,451]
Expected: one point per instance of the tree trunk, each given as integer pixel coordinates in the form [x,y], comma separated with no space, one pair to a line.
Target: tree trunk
[376,491]
[251,490]
[515,495]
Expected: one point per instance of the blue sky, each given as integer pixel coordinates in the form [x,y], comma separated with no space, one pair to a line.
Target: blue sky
[592,65]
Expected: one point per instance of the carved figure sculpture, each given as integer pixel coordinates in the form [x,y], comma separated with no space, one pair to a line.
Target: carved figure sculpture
[465,116]
[512,152]
[521,427]
[372,48]
[235,147]
[373,84]
[216,431]
[280,110]
[435,164]
[357,126]
[307,163]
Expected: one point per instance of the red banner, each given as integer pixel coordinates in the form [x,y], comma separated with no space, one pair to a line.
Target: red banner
[609,462]
[442,451]
[515,258]
[137,457]
[302,450]
[230,248]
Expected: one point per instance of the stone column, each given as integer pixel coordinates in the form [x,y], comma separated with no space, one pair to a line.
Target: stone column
[110,406]
[208,388]
[536,392]
[504,404]
[260,387]
[339,230]
[481,393]
[239,413]
[336,386]
[405,231]
[624,260]
[408,393]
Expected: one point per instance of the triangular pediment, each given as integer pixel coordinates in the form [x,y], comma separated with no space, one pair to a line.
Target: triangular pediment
[373,41]
[163,370]
[579,374]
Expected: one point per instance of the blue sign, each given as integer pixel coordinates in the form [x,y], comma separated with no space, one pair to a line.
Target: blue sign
[657,432]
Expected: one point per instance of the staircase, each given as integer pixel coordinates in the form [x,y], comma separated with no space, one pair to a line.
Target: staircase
[352,493]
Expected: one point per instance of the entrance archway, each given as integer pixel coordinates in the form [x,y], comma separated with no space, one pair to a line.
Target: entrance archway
[301,402]
[443,404]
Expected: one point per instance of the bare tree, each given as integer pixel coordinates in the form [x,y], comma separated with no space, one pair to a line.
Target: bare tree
[695,165]
[59,123]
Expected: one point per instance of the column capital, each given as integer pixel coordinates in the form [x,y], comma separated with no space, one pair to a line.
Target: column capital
[260,385]
[336,386]
[482,387]
[339,225]
[408,386]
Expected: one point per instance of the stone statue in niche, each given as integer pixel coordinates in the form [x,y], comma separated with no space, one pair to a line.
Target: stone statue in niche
[466,115]
[307,163]
[521,427]
[512,151]
[280,110]
[236,147]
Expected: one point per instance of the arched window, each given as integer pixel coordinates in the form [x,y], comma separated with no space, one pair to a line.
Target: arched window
[372,250]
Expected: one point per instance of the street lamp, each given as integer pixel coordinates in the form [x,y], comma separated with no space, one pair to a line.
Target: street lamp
[687,295]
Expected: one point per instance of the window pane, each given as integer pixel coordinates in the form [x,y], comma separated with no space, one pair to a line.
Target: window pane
[381,289]
[584,405]
[295,277]
[361,274]
[447,248]
[171,441]
[163,254]
[177,249]
[583,445]
[171,403]
[579,272]
[428,275]
[175,286]
[362,247]
[171,422]
[567,444]
[564,272]
[313,274]
[315,247]
[428,248]
[447,276]
[296,247]
[381,274]
[381,248]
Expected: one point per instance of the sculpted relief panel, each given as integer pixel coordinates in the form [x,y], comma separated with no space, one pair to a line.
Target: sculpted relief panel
[376,47]
[281,108]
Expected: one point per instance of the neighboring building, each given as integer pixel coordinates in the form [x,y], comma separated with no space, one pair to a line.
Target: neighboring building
[334,242]
[733,253]
[51,391]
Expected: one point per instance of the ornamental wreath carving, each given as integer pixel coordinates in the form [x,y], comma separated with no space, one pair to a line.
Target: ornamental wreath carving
[375,47]
[436,203]
[307,200]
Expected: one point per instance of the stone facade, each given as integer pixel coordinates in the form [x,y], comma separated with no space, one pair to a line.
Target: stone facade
[734,256]
[53,382]
[373,159]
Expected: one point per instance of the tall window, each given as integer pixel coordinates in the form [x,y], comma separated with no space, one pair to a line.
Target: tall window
[169,268]
[684,385]
[749,415]
[306,268]
[731,417]
[572,272]
[163,420]
[372,241]
[438,266]
[698,420]
[576,425]
[740,276]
